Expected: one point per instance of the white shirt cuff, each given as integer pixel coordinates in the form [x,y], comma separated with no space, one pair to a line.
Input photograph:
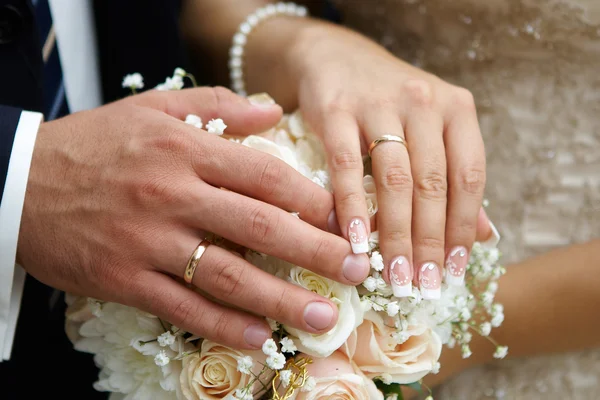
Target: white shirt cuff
[12,277]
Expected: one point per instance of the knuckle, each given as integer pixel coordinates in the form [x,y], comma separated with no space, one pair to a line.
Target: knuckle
[346,160]
[230,278]
[432,185]
[321,247]
[430,242]
[350,198]
[219,98]
[185,312]
[395,237]
[463,98]
[397,179]
[222,326]
[261,225]
[282,305]
[471,180]
[271,174]
[419,91]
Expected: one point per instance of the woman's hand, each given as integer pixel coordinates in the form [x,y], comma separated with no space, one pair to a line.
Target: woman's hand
[352,91]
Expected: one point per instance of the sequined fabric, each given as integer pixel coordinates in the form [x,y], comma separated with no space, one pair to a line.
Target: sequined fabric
[534,69]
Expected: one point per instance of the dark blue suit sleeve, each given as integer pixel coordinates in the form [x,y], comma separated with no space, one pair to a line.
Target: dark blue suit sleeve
[9,119]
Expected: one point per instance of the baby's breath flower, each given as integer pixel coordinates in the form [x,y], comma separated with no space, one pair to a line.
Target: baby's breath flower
[269,347]
[429,398]
[464,326]
[276,361]
[166,339]
[466,351]
[243,394]
[376,261]
[288,346]
[161,359]
[370,284]
[436,368]
[386,378]
[179,72]
[309,385]
[485,329]
[95,307]
[274,325]
[400,337]
[465,314]
[392,396]
[194,120]
[492,287]
[133,81]
[245,365]
[216,126]
[501,352]
[467,337]
[285,376]
[392,309]
[487,298]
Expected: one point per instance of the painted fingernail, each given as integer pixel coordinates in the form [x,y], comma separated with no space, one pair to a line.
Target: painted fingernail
[261,100]
[332,224]
[494,239]
[430,281]
[356,268]
[359,238]
[318,315]
[255,335]
[401,277]
[456,266]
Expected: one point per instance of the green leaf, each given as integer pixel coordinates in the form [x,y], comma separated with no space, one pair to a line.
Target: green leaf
[390,389]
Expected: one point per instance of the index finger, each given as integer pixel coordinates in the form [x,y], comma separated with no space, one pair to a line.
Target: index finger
[263,177]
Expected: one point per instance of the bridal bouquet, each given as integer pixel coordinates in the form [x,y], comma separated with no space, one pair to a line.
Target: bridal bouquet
[379,343]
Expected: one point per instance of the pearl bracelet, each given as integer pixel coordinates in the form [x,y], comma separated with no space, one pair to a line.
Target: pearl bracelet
[241,37]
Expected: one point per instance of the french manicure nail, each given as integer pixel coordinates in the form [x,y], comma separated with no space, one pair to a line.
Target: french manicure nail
[256,335]
[356,268]
[359,239]
[430,281]
[318,315]
[456,266]
[261,100]
[401,277]
[493,241]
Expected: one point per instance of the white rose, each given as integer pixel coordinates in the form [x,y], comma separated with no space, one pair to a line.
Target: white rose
[267,146]
[337,378]
[213,373]
[350,313]
[373,348]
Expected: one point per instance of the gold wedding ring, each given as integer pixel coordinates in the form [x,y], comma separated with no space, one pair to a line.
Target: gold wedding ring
[192,264]
[386,138]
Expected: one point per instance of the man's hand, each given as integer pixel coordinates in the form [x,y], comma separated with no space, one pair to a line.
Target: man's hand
[120,196]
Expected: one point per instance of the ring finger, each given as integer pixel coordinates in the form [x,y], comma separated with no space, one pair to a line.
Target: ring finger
[392,173]
[232,280]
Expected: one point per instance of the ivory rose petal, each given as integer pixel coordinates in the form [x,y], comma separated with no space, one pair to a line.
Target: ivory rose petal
[212,373]
[376,352]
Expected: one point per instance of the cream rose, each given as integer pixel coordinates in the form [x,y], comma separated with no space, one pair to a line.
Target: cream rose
[350,313]
[337,378]
[375,351]
[272,148]
[212,374]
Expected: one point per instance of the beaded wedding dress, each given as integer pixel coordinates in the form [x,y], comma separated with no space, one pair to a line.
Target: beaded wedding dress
[534,69]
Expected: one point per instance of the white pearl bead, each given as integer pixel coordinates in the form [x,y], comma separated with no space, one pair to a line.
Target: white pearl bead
[236,51]
[270,9]
[261,13]
[235,62]
[302,12]
[240,39]
[236,73]
[290,8]
[245,28]
[280,7]
[253,20]
[238,85]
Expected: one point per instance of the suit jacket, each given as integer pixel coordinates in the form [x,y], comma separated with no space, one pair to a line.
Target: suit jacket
[133,36]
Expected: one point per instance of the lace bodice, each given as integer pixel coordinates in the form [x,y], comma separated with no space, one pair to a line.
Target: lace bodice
[533,67]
